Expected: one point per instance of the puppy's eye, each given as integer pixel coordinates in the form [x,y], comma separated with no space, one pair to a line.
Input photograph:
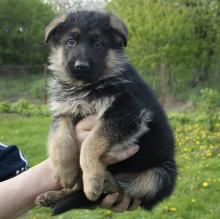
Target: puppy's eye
[98,44]
[71,42]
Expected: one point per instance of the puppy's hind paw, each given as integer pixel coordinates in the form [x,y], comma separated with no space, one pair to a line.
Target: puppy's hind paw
[45,200]
[93,189]
[48,199]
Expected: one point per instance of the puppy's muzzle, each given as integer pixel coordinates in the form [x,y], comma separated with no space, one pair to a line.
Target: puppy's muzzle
[81,66]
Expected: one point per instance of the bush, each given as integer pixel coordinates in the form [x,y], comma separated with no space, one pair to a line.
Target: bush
[4,107]
[23,107]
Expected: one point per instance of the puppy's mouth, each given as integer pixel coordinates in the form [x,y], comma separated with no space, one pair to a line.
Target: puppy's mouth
[83,76]
[87,76]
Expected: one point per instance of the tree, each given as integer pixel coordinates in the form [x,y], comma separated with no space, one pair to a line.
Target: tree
[22,31]
[176,40]
[206,24]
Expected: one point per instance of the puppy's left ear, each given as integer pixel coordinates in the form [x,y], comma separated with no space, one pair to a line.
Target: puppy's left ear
[51,27]
[120,27]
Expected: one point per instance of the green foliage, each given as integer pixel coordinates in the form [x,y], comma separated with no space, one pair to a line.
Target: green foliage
[197,155]
[176,38]
[23,107]
[210,100]
[208,106]
[179,118]
[22,31]
[4,107]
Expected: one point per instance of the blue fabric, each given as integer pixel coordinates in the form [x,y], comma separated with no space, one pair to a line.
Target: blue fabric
[12,162]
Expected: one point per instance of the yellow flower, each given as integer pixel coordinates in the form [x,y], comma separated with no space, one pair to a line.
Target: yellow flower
[209,154]
[108,213]
[193,200]
[205,184]
[172,209]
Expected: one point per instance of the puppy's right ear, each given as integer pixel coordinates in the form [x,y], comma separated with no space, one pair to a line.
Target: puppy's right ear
[50,28]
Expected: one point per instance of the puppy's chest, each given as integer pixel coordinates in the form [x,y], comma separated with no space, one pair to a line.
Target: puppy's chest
[81,107]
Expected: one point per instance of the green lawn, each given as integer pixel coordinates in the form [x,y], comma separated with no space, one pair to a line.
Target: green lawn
[197,193]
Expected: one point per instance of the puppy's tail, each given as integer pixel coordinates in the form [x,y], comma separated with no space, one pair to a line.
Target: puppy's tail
[75,200]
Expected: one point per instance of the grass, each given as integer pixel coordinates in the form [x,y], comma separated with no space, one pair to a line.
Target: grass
[196,195]
[29,133]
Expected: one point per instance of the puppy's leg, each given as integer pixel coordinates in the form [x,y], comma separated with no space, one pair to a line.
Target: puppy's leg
[64,152]
[93,169]
[77,199]
[117,126]
[48,199]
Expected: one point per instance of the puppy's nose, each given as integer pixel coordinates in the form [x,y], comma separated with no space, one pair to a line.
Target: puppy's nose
[81,65]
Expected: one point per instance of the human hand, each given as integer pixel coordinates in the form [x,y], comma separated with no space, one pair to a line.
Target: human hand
[115,155]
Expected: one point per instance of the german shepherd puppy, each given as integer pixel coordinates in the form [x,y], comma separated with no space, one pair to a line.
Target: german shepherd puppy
[93,76]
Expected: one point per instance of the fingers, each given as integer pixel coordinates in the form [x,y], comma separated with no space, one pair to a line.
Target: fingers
[118,203]
[122,205]
[109,200]
[112,157]
[134,204]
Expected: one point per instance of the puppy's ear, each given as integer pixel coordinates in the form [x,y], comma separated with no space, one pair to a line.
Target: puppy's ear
[50,28]
[120,28]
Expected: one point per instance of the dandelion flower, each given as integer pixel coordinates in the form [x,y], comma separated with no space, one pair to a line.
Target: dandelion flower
[205,184]
[172,209]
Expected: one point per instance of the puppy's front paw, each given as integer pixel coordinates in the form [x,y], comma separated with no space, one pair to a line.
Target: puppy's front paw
[45,199]
[93,186]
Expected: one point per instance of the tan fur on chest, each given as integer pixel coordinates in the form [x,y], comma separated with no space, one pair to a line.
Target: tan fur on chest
[81,107]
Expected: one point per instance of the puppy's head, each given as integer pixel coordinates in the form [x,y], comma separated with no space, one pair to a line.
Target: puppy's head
[85,45]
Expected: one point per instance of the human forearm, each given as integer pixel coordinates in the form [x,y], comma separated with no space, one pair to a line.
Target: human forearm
[18,193]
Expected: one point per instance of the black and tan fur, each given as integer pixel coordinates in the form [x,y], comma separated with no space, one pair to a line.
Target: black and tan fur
[93,76]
